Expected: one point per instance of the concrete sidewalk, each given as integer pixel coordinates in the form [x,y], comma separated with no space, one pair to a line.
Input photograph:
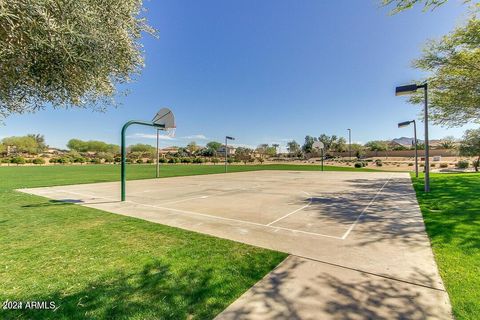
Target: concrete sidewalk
[301,288]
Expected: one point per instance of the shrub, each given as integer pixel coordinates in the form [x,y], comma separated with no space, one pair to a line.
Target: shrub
[443,165]
[378,163]
[162,160]
[139,161]
[18,160]
[117,159]
[358,165]
[149,161]
[96,160]
[410,164]
[215,160]
[433,165]
[462,164]
[476,163]
[38,161]
[187,160]
[198,160]
[422,165]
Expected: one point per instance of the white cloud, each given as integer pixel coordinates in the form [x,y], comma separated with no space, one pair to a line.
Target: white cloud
[195,137]
[150,136]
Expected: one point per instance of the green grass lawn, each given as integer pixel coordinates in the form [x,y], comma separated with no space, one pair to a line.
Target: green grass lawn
[452,216]
[95,264]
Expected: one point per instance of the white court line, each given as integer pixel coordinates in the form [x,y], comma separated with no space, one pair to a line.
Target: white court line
[294,211]
[345,235]
[206,215]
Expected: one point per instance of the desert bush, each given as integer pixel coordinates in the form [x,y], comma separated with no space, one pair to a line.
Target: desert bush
[162,160]
[410,164]
[378,163]
[149,161]
[38,161]
[462,164]
[18,160]
[358,165]
[139,161]
[443,165]
[198,160]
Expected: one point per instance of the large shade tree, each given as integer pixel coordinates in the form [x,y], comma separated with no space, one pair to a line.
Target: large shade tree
[470,146]
[67,53]
[453,63]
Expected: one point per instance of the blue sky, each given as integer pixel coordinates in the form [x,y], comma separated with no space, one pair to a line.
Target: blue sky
[265,72]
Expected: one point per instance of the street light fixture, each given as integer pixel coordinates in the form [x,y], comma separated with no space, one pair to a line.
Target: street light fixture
[226,150]
[406,124]
[409,89]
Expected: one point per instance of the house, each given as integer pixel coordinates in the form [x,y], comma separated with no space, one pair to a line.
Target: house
[168,150]
[230,151]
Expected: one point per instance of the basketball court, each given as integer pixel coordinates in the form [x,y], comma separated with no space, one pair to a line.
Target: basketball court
[354,224]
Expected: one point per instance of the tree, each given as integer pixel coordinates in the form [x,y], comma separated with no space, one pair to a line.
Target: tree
[377,145]
[307,145]
[400,5]
[192,147]
[23,144]
[262,149]
[470,145]
[276,145]
[67,53]
[40,141]
[214,145]
[244,154]
[454,66]
[448,142]
[293,148]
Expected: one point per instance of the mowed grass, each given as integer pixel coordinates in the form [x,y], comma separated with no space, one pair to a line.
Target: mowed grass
[452,217]
[34,176]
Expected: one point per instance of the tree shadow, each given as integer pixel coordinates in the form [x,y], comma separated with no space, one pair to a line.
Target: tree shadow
[323,294]
[157,292]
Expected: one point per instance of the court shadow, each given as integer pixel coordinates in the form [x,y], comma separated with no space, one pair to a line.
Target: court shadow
[51,203]
[318,294]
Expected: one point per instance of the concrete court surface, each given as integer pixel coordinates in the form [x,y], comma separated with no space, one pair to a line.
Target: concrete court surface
[357,240]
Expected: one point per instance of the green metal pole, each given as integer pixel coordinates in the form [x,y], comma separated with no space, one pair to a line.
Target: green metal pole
[322,159]
[123,150]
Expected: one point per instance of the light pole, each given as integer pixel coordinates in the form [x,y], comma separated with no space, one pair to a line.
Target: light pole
[409,89]
[406,124]
[349,144]
[226,150]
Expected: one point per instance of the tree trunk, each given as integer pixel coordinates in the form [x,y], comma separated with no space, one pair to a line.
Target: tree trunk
[476,164]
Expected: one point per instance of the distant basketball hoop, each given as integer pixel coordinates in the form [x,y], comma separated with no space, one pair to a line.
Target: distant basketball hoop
[319,146]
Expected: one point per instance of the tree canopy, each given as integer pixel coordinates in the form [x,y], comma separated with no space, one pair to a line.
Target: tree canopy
[67,53]
[92,146]
[26,144]
[454,82]
[470,145]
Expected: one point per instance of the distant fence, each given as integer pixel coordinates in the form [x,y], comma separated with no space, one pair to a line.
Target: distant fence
[400,153]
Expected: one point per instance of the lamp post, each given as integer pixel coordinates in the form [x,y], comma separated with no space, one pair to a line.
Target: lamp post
[349,144]
[409,89]
[406,124]
[226,150]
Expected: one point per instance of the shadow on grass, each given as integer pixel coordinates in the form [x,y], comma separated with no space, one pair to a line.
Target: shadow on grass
[51,203]
[157,292]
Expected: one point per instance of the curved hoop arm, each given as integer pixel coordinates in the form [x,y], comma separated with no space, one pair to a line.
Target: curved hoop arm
[124,149]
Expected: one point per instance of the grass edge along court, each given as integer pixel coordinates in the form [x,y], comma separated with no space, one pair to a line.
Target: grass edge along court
[451,212]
